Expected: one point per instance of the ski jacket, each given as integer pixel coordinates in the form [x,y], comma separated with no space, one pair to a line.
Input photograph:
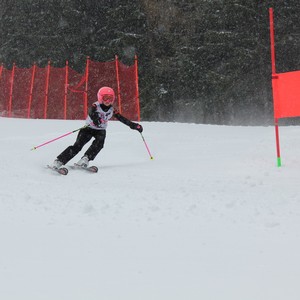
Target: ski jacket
[99,115]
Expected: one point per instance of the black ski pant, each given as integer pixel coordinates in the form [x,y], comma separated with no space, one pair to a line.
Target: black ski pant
[83,137]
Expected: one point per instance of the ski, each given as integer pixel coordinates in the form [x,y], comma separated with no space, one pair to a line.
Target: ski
[92,169]
[62,170]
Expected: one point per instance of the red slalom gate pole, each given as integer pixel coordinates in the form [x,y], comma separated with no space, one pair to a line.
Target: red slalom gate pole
[274,78]
[48,142]
[137,97]
[118,83]
[11,90]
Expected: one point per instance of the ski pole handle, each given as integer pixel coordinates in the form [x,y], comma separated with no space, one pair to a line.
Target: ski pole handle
[151,157]
[48,142]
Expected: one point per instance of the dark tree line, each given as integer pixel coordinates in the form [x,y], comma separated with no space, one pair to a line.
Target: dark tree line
[204,61]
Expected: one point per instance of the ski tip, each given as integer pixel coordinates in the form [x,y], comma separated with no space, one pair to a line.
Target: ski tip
[93,169]
[63,171]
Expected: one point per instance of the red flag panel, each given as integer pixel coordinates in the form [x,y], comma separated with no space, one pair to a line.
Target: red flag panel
[286,94]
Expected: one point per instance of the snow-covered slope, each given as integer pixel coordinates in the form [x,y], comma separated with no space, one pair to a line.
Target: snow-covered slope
[211,217]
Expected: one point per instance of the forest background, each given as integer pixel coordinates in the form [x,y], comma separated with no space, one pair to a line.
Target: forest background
[201,61]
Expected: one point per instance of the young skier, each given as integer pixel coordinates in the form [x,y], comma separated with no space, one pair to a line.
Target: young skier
[96,121]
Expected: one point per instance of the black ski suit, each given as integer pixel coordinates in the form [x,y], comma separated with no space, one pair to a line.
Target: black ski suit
[96,121]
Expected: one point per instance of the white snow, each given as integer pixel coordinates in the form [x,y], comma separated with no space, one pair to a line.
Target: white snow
[210,218]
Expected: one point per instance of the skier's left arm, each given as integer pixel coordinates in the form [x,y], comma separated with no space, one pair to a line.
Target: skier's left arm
[132,125]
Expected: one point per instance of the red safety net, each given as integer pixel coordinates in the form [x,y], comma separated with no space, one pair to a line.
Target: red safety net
[5,90]
[63,93]
[76,96]
[102,74]
[126,75]
[286,94]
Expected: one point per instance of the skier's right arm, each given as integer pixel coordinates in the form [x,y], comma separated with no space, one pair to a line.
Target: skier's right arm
[94,115]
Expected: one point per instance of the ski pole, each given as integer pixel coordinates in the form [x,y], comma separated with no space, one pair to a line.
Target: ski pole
[34,148]
[151,157]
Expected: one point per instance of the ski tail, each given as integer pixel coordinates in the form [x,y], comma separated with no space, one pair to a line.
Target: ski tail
[92,169]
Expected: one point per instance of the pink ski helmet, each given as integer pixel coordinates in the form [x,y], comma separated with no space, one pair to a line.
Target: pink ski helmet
[106,95]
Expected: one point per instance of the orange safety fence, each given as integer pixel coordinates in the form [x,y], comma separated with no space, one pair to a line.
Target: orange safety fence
[63,93]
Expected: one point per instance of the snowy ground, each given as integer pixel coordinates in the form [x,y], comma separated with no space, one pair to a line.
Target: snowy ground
[210,218]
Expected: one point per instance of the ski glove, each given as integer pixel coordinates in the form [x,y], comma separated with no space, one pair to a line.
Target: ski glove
[136,126]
